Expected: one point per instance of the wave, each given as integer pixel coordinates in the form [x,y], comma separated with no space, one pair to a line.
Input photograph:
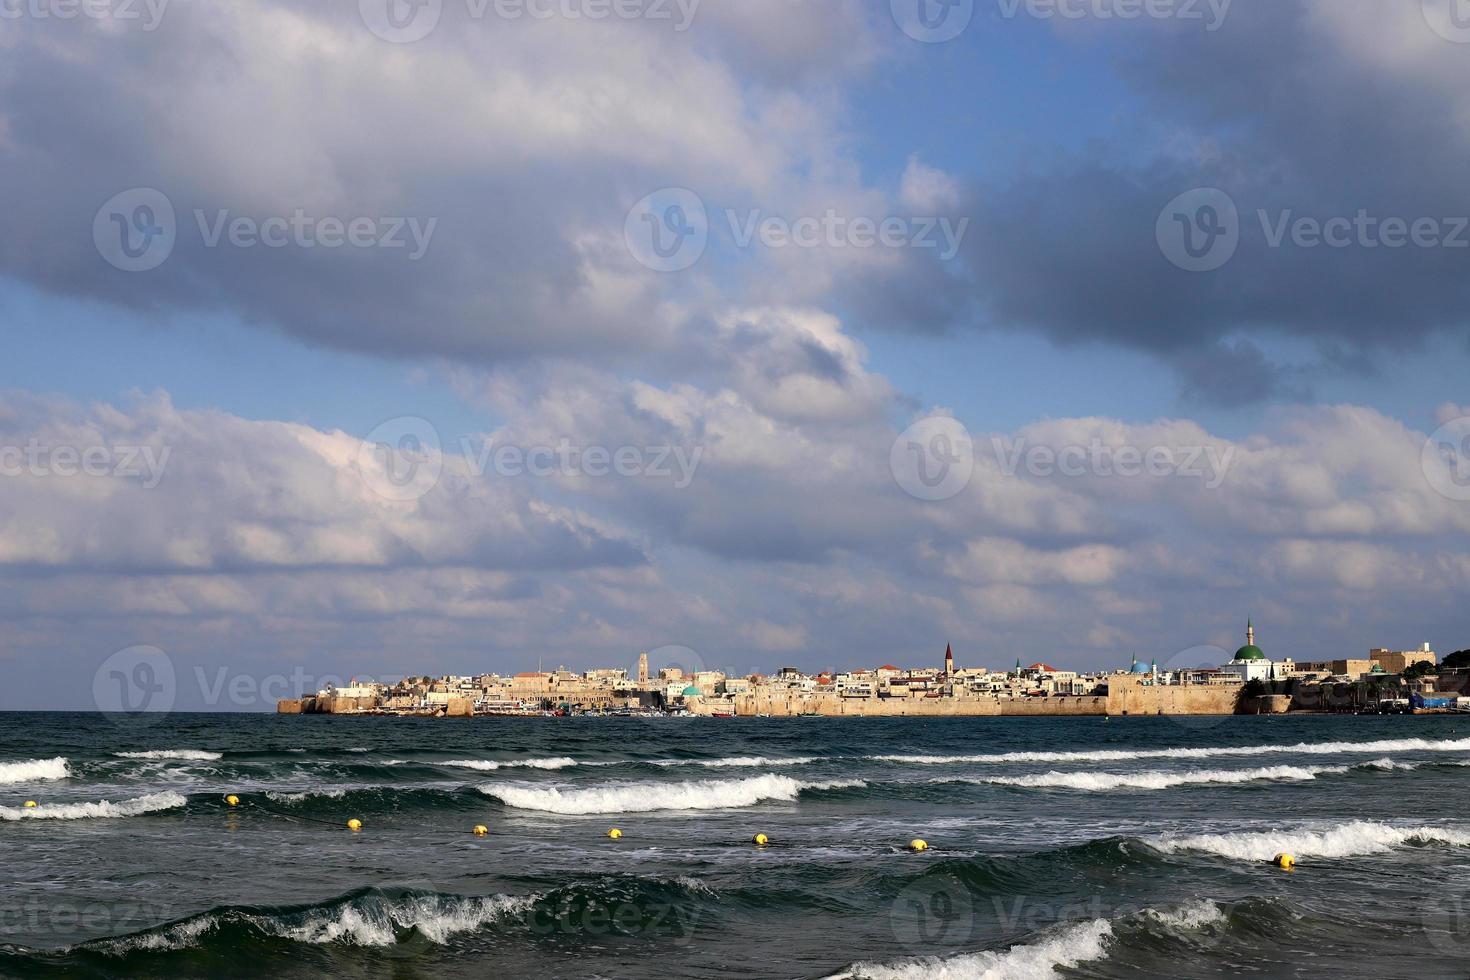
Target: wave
[739,761]
[1102,782]
[102,808]
[560,762]
[710,794]
[368,918]
[1394,745]
[1360,837]
[33,770]
[189,755]
[322,794]
[1067,948]
[1063,948]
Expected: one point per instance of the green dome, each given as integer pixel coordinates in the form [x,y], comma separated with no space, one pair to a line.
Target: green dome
[691,691]
[1251,652]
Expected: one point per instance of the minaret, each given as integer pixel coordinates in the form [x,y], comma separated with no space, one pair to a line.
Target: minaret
[643,670]
[948,661]
[1250,633]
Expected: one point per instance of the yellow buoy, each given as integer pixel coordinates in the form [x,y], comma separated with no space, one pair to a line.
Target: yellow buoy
[354,824]
[481,830]
[232,800]
[761,840]
[30,804]
[917,845]
[615,833]
[1285,862]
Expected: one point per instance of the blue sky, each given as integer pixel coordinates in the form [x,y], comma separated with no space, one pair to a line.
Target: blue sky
[1066,317]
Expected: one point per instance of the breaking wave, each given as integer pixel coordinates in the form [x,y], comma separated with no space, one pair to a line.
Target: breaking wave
[1393,745]
[1102,782]
[560,762]
[33,770]
[710,794]
[102,808]
[187,755]
[739,762]
[1067,948]
[1356,838]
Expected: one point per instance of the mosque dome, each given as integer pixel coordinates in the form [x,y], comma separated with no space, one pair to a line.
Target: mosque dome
[691,691]
[1139,668]
[1250,652]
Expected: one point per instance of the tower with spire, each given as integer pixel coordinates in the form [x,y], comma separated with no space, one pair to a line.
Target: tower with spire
[948,660]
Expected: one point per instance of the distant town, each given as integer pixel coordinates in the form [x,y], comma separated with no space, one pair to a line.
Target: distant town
[1383,681]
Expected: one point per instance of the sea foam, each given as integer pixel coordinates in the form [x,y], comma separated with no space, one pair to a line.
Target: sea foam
[1102,782]
[1393,745]
[739,762]
[709,794]
[483,765]
[102,808]
[1038,960]
[184,755]
[33,770]
[1356,838]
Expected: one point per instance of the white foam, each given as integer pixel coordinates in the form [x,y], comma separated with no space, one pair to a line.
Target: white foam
[1037,961]
[33,770]
[326,794]
[102,808]
[709,794]
[362,923]
[1396,745]
[190,755]
[483,765]
[1195,915]
[1102,782]
[1356,838]
[739,761]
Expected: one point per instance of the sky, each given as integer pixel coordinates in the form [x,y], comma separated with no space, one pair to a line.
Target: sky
[379,338]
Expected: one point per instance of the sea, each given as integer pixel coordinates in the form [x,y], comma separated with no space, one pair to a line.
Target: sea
[1081,847]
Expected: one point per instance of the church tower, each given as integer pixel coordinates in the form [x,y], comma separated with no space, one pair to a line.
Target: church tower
[948,661]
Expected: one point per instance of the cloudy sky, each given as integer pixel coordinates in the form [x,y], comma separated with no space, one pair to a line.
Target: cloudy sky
[391,337]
